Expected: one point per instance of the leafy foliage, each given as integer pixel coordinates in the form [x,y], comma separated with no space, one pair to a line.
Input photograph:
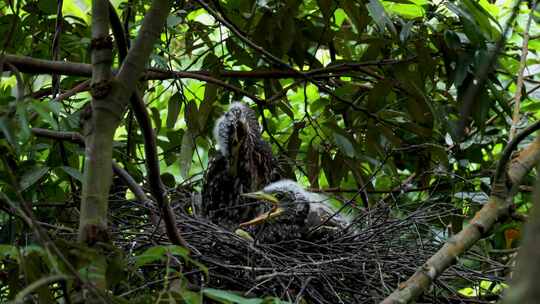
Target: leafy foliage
[358,98]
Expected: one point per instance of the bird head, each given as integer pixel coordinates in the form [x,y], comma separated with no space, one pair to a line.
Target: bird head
[234,129]
[287,198]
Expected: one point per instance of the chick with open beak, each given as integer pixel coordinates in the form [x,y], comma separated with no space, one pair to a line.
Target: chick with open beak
[295,213]
[243,163]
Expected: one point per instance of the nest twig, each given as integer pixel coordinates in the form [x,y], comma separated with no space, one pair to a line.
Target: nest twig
[359,265]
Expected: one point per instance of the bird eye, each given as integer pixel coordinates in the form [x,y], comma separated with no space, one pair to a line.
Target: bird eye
[279,195]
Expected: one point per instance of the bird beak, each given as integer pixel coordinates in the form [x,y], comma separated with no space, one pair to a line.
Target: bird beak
[261,196]
[263,217]
[238,137]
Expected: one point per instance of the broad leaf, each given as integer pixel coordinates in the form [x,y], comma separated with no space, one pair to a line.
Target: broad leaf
[186,153]
[228,297]
[33,176]
[173,110]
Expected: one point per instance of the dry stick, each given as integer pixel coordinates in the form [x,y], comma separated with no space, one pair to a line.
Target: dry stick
[522,66]
[137,191]
[111,99]
[152,163]
[41,66]
[134,64]
[523,288]
[99,133]
[498,205]
[150,145]
[56,45]
[118,33]
[81,87]
[202,77]
[56,81]
[42,282]
[8,37]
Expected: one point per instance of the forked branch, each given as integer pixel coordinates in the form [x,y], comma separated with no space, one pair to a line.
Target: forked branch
[499,205]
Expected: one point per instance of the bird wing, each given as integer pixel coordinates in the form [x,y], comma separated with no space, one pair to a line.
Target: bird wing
[323,215]
[213,178]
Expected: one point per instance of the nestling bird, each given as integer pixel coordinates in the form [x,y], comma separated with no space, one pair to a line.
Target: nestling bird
[243,163]
[296,214]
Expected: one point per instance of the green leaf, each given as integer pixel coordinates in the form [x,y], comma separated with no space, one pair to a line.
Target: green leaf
[151,255]
[207,105]
[31,177]
[48,6]
[156,117]
[73,172]
[36,271]
[175,137]
[239,54]
[212,62]
[410,11]
[406,31]
[6,126]
[377,96]
[45,111]
[286,108]
[482,18]
[294,142]
[339,16]
[168,180]
[173,20]
[24,124]
[191,117]
[334,169]
[186,153]
[227,297]
[326,7]
[8,251]
[191,297]
[116,270]
[462,69]
[313,167]
[357,14]
[343,140]
[344,144]
[173,110]
[157,253]
[376,11]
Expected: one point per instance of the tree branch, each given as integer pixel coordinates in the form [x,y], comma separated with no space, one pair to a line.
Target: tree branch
[41,66]
[153,23]
[523,288]
[522,65]
[150,145]
[101,51]
[152,164]
[498,205]
[77,138]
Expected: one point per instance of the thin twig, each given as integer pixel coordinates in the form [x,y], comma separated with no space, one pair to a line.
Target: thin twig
[522,66]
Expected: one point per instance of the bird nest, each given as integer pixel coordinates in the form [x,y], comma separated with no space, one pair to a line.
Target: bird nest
[359,265]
